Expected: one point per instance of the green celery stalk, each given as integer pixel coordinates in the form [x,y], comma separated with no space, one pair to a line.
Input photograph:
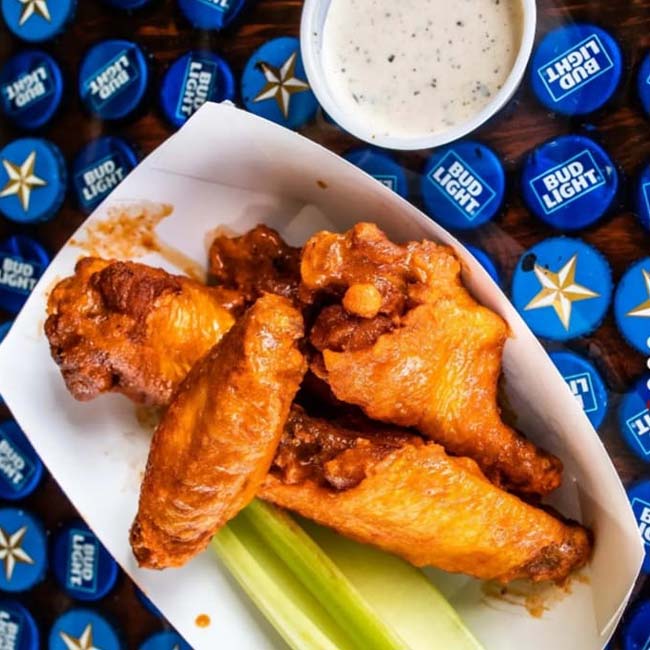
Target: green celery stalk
[322,591]
[401,595]
[322,578]
[283,600]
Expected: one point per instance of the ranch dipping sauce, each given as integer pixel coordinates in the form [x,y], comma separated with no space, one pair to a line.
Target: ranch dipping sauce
[416,67]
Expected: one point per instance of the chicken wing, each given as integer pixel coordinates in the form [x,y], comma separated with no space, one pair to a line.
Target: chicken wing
[389,488]
[131,328]
[218,437]
[403,339]
[257,262]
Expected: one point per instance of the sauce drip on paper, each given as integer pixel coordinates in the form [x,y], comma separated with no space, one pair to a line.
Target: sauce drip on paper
[128,232]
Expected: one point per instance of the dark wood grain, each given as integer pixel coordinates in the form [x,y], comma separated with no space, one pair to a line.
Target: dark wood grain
[621,127]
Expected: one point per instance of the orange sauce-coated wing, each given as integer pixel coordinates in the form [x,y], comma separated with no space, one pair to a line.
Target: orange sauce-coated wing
[131,328]
[403,339]
[412,499]
[218,437]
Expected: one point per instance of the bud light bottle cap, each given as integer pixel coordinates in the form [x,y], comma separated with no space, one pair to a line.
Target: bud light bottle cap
[569,182]
[639,496]
[20,467]
[22,263]
[463,185]
[31,88]
[82,566]
[99,168]
[381,166]
[192,80]
[585,383]
[576,69]
[18,629]
[634,419]
[211,14]
[113,79]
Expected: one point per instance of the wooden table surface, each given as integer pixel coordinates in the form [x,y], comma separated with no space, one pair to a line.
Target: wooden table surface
[621,127]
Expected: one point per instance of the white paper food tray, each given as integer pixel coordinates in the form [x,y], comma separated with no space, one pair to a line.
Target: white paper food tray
[228,168]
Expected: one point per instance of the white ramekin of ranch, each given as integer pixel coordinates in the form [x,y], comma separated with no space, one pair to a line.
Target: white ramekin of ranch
[415,74]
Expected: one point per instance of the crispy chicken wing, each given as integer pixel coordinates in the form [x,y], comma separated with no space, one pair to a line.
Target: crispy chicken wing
[131,328]
[218,437]
[387,487]
[255,263]
[403,339]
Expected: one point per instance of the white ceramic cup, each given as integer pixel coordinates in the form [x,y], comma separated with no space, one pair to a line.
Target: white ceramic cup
[311,43]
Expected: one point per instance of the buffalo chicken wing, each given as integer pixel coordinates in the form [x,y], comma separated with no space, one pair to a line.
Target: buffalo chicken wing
[131,328]
[387,487]
[218,437]
[402,338]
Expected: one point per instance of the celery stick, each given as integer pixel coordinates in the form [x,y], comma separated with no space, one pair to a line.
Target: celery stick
[316,571]
[282,599]
[401,595]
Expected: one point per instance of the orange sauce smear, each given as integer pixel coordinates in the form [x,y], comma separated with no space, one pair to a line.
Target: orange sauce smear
[129,232]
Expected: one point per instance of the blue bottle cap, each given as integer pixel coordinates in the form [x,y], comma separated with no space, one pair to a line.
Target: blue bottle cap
[634,419]
[127,5]
[380,165]
[463,185]
[486,262]
[632,306]
[562,288]
[569,182]
[193,79]
[642,197]
[165,641]
[32,180]
[4,329]
[639,496]
[37,21]
[18,629]
[636,628]
[274,84]
[148,605]
[643,83]
[211,14]
[20,467]
[31,88]
[585,383]
[24,550]
[83,567]
[22,262]
[576,69]
[113,78]
[98,168]
[83,628]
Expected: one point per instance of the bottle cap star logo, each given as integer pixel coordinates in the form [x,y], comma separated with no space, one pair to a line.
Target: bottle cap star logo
[11,551]
[560,291]
[643,310]
[84,642]
[281,83]
[31,7]
[22,180]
